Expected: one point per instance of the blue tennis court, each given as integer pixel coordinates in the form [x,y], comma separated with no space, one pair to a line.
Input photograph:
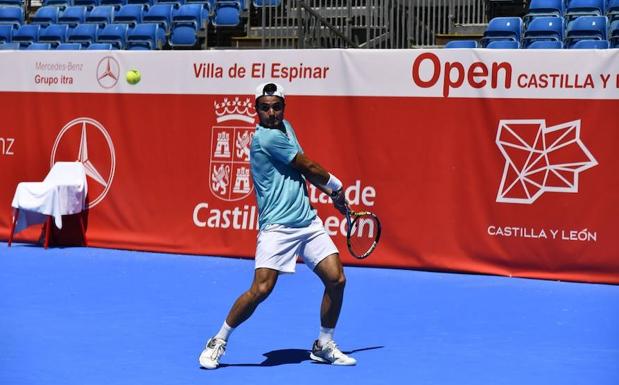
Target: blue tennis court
[110,317]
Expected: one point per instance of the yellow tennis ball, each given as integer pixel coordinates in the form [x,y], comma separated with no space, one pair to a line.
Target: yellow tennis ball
[133,76]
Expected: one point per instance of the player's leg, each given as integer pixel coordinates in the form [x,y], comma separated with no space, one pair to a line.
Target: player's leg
[321,255]
[245,305]
[276,252]
[331,274]
[325,349]
[262,285]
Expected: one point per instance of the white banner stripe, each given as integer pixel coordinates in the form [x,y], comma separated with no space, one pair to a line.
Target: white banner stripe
[461,73]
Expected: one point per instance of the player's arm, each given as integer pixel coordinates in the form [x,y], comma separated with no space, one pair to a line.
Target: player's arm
[322,179]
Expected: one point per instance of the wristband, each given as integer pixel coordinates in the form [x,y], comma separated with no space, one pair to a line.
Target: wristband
[335,193]
[333,183]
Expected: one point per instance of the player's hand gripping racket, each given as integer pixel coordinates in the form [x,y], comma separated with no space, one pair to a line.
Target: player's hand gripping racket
[363,232]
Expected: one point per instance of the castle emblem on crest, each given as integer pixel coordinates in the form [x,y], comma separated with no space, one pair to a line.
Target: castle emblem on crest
[231,138]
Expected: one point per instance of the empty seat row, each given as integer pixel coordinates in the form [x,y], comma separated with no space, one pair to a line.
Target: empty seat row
[550,28]
[48,46]
[572,9]
[209,6]
[547,32]
[541,44]
[164,14]
[119,3]
[119,36]
[147,3]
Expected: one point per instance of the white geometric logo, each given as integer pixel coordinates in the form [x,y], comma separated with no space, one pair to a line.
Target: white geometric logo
[72,142]
[540,159]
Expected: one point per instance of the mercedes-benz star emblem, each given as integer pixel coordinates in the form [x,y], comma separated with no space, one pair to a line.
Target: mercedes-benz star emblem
[73,142]
[108,72]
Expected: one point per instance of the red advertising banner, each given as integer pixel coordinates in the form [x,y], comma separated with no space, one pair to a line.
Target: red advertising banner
[521,186]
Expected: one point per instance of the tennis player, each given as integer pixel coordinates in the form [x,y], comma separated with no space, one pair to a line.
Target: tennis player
[289,227]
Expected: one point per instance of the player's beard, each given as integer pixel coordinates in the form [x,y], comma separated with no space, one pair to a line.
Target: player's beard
[273,122]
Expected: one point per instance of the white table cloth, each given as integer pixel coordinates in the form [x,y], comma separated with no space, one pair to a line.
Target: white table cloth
[62,192]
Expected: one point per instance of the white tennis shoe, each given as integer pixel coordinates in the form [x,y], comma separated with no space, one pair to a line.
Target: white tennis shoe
[330,354]
[215,348]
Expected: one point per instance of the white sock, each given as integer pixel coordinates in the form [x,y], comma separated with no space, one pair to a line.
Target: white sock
[224,332]
[325,335]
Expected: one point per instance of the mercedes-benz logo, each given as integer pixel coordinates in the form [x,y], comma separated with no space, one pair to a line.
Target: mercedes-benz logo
[108,72]
[72,144]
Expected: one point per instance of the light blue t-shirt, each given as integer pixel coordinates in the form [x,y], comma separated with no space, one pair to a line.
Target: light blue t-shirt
[280,189]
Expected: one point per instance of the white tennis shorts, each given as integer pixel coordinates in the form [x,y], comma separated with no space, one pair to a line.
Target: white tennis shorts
[278,246]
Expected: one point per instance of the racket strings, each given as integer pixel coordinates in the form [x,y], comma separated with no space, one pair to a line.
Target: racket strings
[363,234]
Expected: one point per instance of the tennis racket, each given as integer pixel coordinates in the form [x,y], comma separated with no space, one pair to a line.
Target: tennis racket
[363,232]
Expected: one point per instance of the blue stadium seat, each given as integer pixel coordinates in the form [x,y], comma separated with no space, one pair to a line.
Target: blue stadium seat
[73,16]
[540,8]
[54,34]
[227,14]
[183,34]
[201,2]
[276,3]
[207,7]
[6,33]
[99,46]
[612,10]
[160,14]
[576,8]
[613,34]
[114,34]
[585,28]
[146,3]
[46,15]
[114,3]
[9,45]
[129,14]
[545,44]
[590,44]
[462,44]
[176,4]
[69,46]
[62,4]
[102,15]
[503,44]
[145,36]
[503,28]
[12,3]
[89,4]
[85,34]
[26,34]
[37,46]
[543,28]
[12,15]
[190,13]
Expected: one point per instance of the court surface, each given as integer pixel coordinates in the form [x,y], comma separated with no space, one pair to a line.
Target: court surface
[92,316]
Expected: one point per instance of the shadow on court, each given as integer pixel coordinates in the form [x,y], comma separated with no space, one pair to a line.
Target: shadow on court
[290,356]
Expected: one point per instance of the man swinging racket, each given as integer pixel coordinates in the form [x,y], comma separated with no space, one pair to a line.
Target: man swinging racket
[289,227]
